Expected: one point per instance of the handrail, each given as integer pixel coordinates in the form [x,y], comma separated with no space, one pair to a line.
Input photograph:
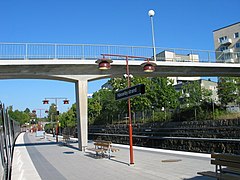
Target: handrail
[48,51]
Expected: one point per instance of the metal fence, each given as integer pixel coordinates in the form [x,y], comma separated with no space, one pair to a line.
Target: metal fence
[31,51]
[9,131]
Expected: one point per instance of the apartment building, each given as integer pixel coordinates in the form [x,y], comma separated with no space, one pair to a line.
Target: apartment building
[204,84]
[227,43]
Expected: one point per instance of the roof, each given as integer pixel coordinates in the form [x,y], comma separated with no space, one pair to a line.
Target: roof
[226,26]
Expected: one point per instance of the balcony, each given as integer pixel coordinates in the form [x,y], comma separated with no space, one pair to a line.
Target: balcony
[226,41]
[228,51]
[230,60]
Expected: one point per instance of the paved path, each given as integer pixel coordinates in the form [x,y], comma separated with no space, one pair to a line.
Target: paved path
[49,161]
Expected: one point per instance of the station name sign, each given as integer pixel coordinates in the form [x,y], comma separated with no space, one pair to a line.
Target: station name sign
[130,92]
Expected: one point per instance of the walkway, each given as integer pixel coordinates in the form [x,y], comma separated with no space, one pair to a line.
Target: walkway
[41,158]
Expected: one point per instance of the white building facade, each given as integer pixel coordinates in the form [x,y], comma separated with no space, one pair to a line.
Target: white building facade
[227,43]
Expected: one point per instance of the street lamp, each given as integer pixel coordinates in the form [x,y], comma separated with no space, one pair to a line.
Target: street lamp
[104,64]
[148,66]
[35,110]
[65,101]
[151,13]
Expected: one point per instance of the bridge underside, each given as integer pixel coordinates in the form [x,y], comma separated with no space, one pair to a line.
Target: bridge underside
[70,71]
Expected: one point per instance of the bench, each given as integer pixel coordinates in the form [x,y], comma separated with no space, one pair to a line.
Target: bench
[102,147]
[227,167]
[66,139]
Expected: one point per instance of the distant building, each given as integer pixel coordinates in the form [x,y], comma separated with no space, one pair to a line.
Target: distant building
[106,85]
[227,43]
[173,57]
[227,47]
[89,95]
[206,84]
[212,86]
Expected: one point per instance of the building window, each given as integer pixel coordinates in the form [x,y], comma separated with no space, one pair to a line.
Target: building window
[223,48]
[221,39]
[236,35]
[237,45]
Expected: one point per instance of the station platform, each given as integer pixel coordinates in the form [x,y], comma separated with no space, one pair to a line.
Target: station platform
[42,158]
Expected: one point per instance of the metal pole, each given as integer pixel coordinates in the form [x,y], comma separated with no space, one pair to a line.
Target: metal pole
[129,115]
[26,51]
[153,40]
[55,51]
[40,113]
[213,109]
[56,120]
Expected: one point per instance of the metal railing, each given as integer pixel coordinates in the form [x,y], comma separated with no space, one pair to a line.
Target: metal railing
[48,51]
[9,130]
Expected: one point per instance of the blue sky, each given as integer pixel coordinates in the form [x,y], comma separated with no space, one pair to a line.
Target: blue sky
[177,24]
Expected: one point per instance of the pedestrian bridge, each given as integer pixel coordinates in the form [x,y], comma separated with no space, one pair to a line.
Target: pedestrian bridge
[69,61]
[77,63]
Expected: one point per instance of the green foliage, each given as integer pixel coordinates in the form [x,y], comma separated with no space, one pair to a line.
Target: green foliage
[20,116]
[141,103]
[68,119]
[52,113]
[102,107]
[228,90]
[192,93]
[159,92]
[162,93]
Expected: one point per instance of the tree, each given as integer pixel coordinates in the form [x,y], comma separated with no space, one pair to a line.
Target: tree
[228,90]
[106,106]
[27,110]
[196,101]
[94,109]
[192,93]
[159,93]
[20,116]
[237,80]
[69,118]
[52,113]
[162,93]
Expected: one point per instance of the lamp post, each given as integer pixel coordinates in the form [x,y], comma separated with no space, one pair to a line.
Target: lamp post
[65,101]
[151,13]
[39,109]
[104,64]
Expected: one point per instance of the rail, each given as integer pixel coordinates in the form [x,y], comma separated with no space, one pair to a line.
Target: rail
[48,51]
[169,137]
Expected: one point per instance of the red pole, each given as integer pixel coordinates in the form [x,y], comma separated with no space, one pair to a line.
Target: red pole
[56,119]
[57,132]
[129,116]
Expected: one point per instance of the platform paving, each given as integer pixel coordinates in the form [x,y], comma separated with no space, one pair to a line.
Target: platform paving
[42,158]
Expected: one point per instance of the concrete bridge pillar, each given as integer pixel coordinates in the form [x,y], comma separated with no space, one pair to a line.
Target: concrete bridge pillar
[81,88]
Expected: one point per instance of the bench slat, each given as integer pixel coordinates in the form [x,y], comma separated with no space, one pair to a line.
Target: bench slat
[226,163]
[231,170]
[227,157]
[96,150]
[227,176]
[114,149]
[103,147]
[102,144]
